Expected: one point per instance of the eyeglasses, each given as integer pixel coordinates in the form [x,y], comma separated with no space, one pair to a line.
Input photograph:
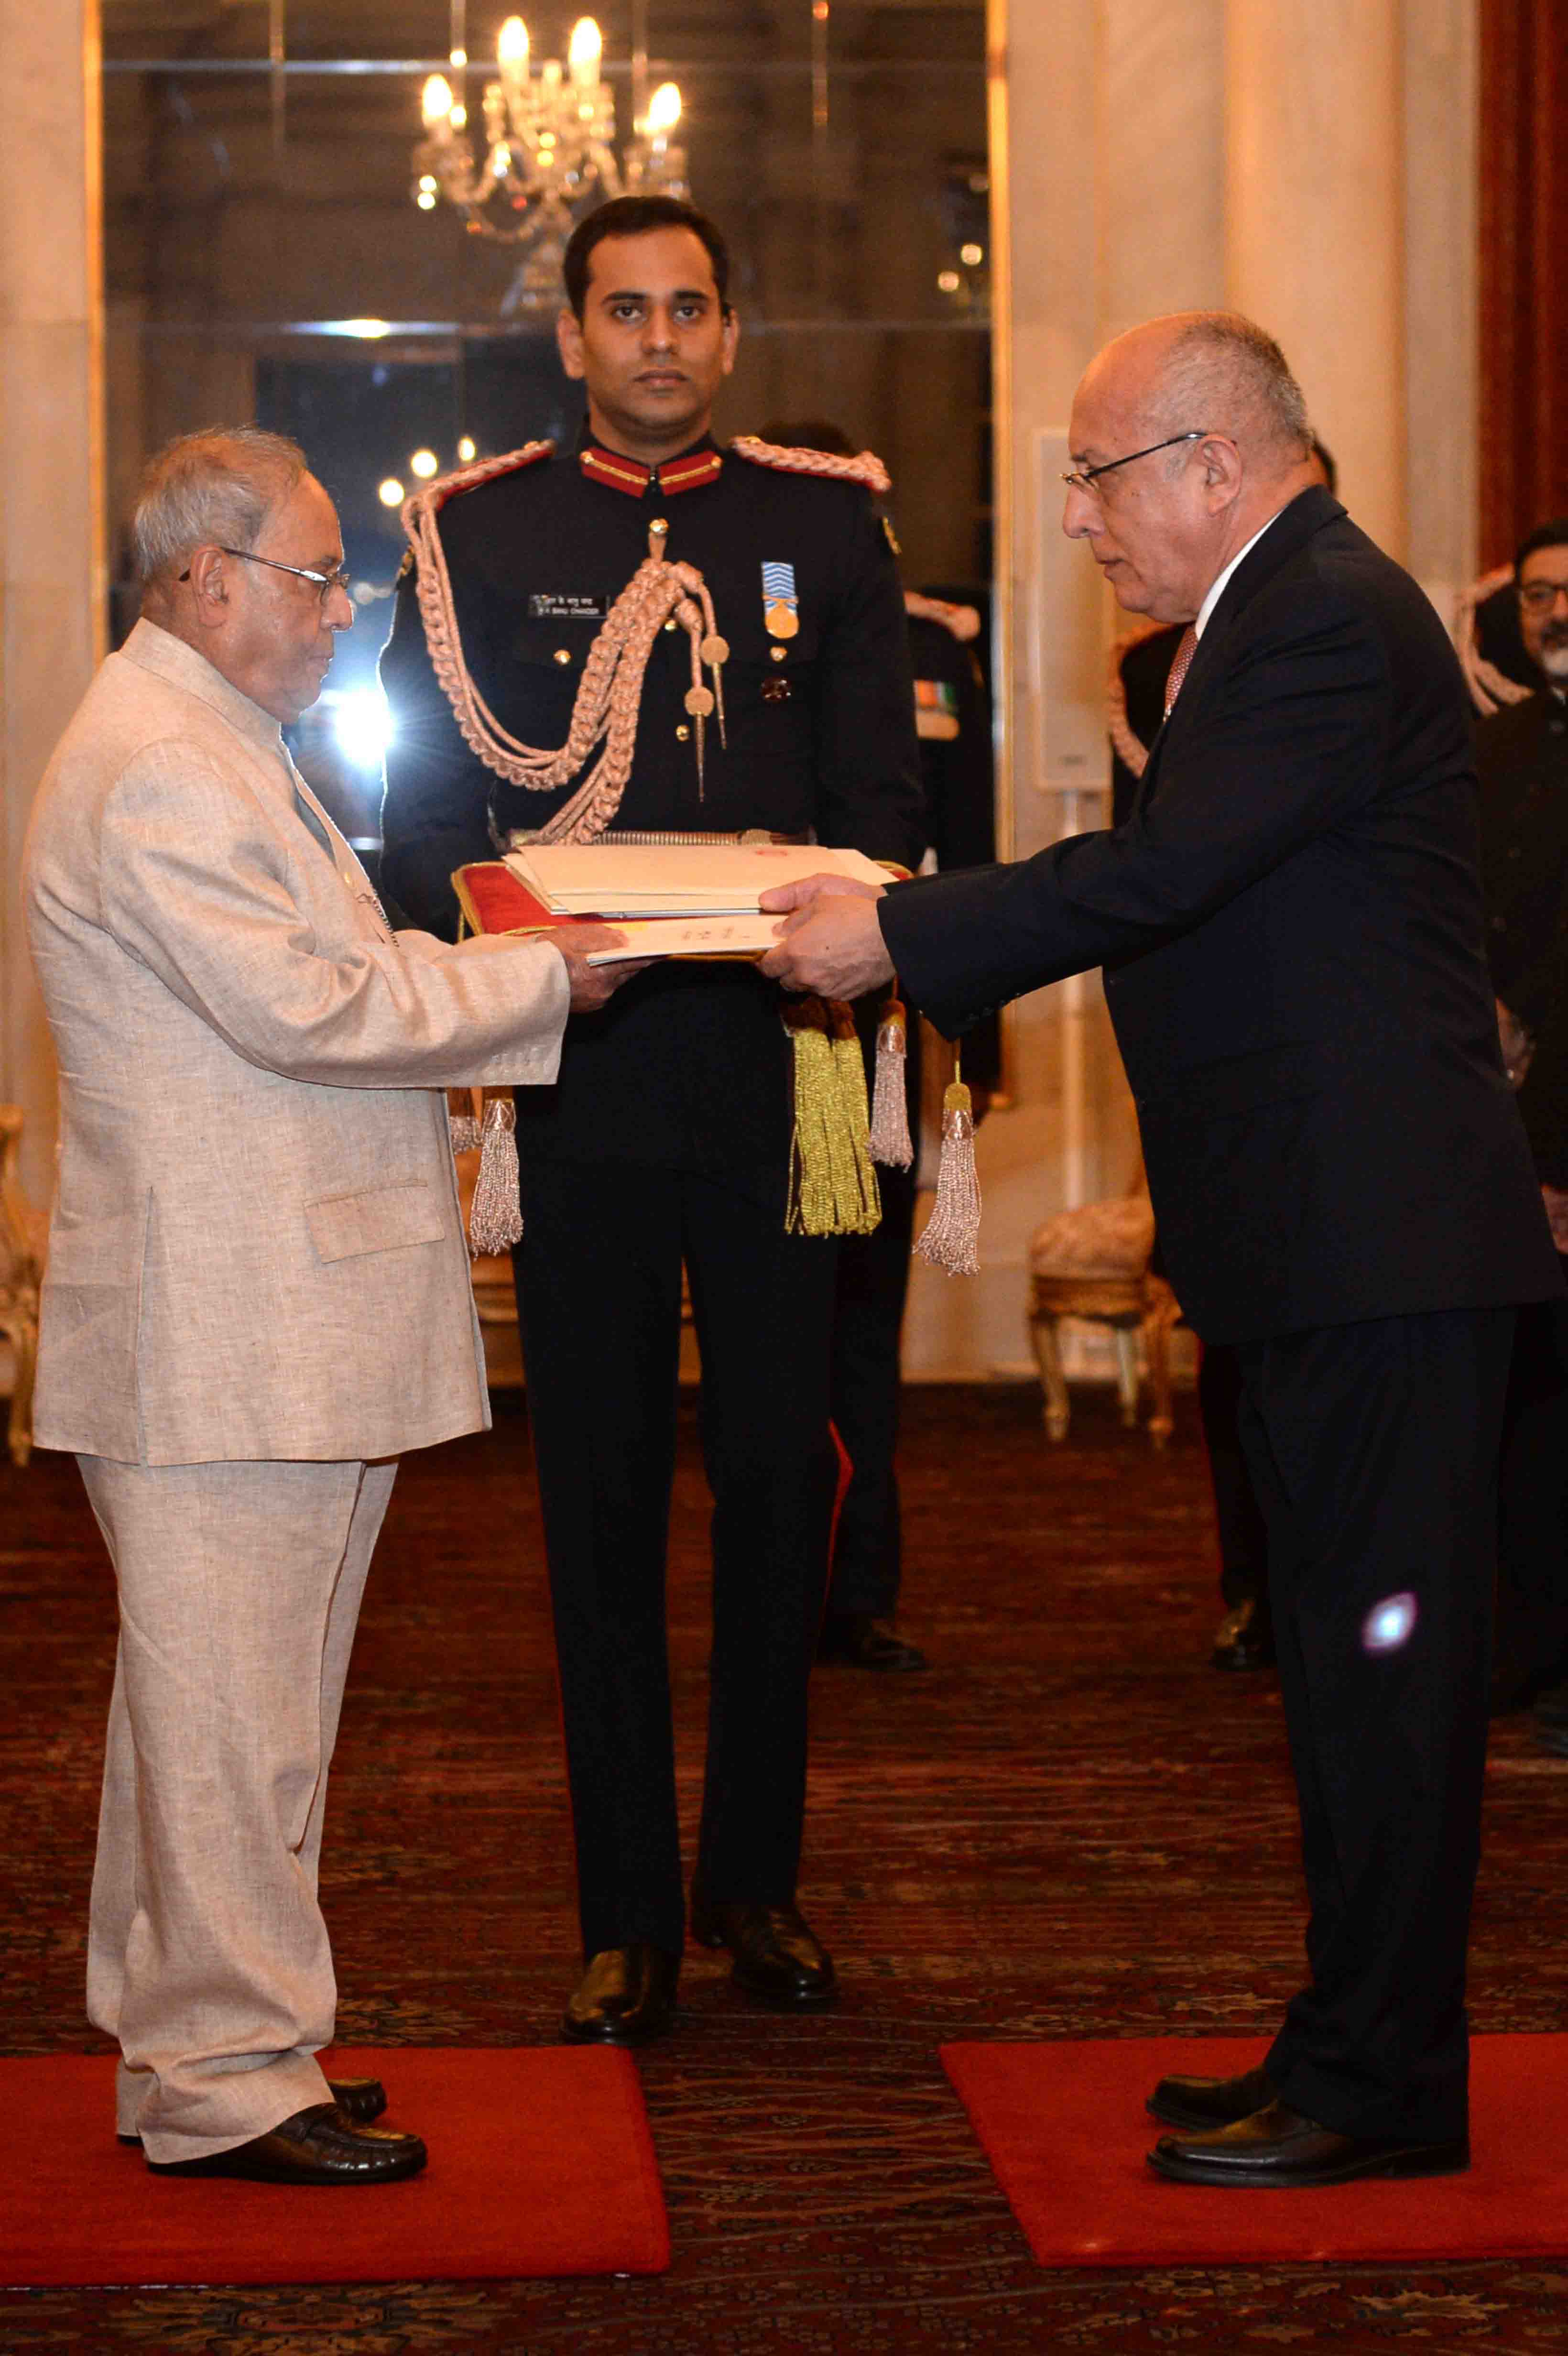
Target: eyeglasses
[1540,596]
[326,582]
[1082,478]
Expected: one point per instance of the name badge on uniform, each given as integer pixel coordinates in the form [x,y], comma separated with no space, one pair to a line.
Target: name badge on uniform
[567,605]
[781,607]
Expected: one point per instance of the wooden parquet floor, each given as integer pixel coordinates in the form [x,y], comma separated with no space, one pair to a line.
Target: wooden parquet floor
[1070,1827]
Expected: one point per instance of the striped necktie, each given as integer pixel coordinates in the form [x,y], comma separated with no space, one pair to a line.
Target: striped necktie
[1186,648]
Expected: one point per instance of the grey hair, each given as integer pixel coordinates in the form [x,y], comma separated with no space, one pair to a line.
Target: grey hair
[217,486]
[1228,375]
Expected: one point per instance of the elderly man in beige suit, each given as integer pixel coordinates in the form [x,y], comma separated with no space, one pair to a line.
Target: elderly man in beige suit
[258,1287]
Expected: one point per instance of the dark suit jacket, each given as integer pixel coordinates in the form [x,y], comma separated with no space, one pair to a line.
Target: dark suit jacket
[1290,923]
[1522,757]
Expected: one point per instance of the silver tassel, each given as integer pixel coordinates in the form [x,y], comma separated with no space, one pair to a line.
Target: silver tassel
[953,1230]
[890,1142]
[463,1131]
[496,1219]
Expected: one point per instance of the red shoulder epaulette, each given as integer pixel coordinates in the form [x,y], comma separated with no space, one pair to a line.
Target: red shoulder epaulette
[431,498]
[867,469]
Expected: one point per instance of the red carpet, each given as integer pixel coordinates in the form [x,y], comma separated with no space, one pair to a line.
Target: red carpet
[541,2163]
[1064,2128]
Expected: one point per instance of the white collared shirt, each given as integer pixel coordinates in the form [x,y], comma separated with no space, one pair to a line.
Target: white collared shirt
[1217,586]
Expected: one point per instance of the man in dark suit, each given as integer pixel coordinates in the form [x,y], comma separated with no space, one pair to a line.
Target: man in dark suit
[1290,923]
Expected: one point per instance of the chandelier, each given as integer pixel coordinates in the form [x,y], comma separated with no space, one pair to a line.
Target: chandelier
[547,152]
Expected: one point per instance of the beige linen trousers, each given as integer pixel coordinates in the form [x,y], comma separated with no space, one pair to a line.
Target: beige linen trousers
[257,1295]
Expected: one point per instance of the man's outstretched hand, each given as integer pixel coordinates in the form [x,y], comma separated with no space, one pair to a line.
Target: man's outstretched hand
[832,942]
[593,986]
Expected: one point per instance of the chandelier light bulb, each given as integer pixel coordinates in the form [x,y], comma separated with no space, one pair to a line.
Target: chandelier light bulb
[435,100]
[664,111]
[458,117]
[467,450]
[459,58]
[423,463]
[583,53]
[390,492]
[512,46]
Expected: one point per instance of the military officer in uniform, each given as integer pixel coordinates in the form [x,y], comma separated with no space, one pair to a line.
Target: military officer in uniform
[669,1134]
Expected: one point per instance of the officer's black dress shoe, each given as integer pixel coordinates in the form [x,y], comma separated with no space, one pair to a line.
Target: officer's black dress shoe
[777,1955]
[1202,2103]
[1278,2146]
[865,1643]
[318,2146]
[363,2100]
[625,1997]
[1243,1640]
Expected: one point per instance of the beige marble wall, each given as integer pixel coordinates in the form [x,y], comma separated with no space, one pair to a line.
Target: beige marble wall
[1315,224]
[51,467]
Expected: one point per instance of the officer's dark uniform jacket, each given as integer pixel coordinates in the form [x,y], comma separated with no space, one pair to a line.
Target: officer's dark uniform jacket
[688,1066]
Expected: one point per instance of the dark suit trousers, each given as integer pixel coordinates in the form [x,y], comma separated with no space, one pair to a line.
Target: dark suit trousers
[599,1274]
[1375,1451]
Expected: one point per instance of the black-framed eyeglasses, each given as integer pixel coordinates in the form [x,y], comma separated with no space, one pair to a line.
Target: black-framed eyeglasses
[1082,478]
[326,582]
[1540,596]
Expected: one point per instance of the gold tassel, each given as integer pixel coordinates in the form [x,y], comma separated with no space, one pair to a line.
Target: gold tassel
[832,1185]
[890,1143]
[496,1219]
[953,1230]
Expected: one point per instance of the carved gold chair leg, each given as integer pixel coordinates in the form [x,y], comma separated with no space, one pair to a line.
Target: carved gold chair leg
[1127,1373]
[23,1336]
[1052,1382]
[1159,1316]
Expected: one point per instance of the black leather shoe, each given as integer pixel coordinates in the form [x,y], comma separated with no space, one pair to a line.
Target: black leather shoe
[777,1955]
[1243,1640]
[363,2100]
[318,2146]
[625,1997]
[865,1643]
[1278,2146]
[1202,2103]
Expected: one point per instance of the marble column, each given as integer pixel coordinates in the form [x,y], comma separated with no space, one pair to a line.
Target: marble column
[1315,224]
[52,585]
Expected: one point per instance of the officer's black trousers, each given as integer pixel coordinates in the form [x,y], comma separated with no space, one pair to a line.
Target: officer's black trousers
[868,1330]
[1375,1451]
[599,1274]
[1243,1546]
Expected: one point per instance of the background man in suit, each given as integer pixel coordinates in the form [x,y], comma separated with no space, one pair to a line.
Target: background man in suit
[1522,755]
[257,1291]
[1291,927]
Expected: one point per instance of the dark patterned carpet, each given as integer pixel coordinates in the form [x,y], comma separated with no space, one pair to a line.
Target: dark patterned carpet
[1071,1827]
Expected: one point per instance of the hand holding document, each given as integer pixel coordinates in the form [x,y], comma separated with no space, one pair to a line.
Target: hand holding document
[831,941]
[586,950]
[681,900]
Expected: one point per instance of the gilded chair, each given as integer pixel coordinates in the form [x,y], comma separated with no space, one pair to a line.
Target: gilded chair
[1094,1263]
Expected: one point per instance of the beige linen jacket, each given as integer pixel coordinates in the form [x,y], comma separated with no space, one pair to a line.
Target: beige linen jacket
[255,1248]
